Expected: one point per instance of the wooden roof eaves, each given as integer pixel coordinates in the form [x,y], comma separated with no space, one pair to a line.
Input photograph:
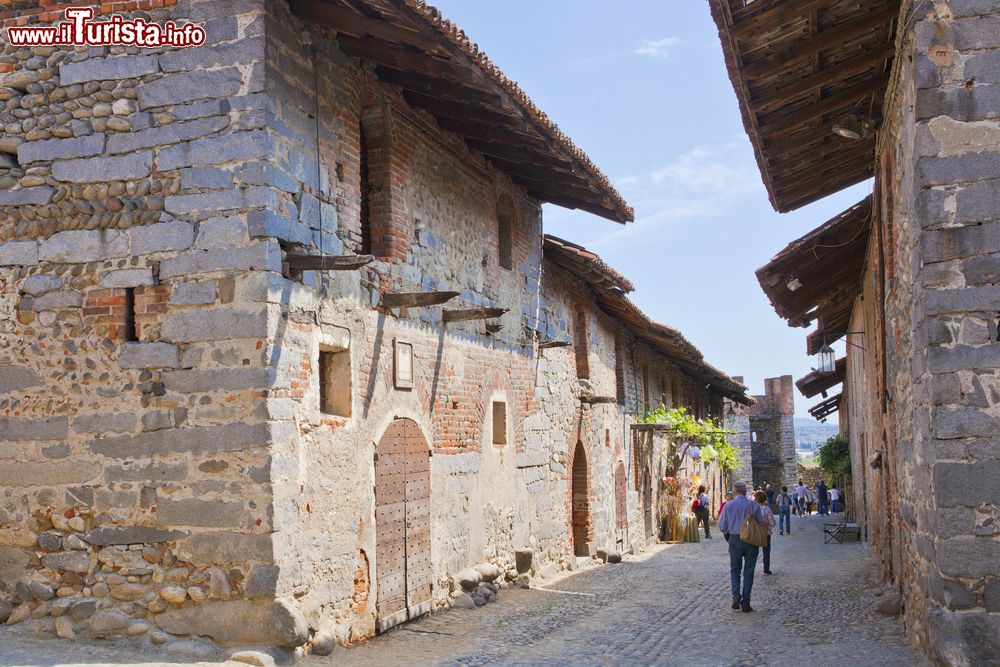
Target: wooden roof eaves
[816,382]
[826,407]
[855,224]
[426,38]
[873,18]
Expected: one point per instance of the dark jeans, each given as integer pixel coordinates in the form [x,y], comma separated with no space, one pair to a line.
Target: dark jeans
[767,554]
[742,557]
[702,516]
[785,519]
[822,508]
[836,507]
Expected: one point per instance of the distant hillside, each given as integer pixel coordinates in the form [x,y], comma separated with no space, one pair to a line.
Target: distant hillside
[810,431]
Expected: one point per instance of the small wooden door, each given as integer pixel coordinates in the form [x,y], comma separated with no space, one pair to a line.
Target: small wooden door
[621,509]
[646,493]
[580,502]
[402,524]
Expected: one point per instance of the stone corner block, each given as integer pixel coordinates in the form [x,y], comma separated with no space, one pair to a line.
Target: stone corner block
[149,355]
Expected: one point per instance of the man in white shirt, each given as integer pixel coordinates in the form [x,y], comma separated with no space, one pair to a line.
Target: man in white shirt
[801,496]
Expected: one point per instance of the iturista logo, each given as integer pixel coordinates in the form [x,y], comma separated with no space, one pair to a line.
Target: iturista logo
[80,29]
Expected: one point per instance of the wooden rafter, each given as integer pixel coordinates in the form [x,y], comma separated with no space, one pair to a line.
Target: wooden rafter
[796,67]
[441,72]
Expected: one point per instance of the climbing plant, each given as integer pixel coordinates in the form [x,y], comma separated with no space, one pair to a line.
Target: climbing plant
[707,434]
[835,457]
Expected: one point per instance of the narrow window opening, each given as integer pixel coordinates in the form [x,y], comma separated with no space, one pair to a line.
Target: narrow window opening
[753,436]
[580,344]
[335,382]
[645,386]
[129,331]
[366,212]
[619,371]
[499,423]
[505,241]
[607,438]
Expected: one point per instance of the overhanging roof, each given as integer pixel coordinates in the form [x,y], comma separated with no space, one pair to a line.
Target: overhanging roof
[586,265]
[817,383]
[797,66]
[826,408]
[828,264]
[444,73]
[609,288]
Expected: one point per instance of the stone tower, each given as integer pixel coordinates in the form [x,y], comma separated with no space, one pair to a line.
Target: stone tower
[772,433]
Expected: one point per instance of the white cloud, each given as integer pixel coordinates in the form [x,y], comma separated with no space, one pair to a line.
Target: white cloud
[702,182]
[657,48]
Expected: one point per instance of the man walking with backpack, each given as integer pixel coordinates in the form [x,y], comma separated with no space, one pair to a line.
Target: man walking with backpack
[742,555]
[701,505]
[784,512]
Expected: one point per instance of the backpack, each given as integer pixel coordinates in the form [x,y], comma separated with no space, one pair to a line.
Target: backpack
[696,505]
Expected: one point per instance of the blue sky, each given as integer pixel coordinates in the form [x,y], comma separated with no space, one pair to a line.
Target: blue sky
[643,89]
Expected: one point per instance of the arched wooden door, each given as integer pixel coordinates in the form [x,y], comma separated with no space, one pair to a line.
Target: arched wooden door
[621,509]
[581,503]
[402,524]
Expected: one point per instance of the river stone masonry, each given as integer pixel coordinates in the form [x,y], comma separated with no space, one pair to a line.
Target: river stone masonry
[134,454]
[190,427]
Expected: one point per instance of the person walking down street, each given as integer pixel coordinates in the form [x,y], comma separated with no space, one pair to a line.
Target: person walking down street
[801,493]
[729,496]
[742,555]
[821,498]
[702,513]
[784,512]
[769,490]
[771,523]
[835,499]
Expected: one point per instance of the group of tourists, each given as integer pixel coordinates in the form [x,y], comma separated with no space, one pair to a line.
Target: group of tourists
[824,499]
[748,522]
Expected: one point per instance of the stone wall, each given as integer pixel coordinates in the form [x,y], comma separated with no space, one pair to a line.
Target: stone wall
[772,434]
[168,467]
[137,334]
[924,416]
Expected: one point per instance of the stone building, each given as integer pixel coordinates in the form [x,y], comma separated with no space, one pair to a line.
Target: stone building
[905,92]
[284,353]
[772,434]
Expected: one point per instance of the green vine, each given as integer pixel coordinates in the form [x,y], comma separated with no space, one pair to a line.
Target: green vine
[708,434]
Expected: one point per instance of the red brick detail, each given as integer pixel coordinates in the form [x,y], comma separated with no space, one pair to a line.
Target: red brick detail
[387,152]
[150,306]
[105,309]
[580,342]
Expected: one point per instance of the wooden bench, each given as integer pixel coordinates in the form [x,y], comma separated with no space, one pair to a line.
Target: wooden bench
[838,532]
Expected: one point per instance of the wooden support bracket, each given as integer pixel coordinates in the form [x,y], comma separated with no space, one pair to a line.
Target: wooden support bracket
[549,344]
[598,399]
[327,262]
[466,314]
[416,299]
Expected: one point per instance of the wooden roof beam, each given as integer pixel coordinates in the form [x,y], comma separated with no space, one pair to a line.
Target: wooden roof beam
[347,21]
[767,19]
[436,86]
[828,39]
[844,100]
[847,68]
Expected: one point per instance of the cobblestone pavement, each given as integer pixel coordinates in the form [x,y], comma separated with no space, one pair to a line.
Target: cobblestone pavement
[669,606]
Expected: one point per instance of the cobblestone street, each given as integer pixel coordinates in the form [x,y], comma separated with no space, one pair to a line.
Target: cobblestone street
[668,606]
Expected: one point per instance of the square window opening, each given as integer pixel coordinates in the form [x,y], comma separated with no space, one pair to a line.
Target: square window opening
[335,395]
